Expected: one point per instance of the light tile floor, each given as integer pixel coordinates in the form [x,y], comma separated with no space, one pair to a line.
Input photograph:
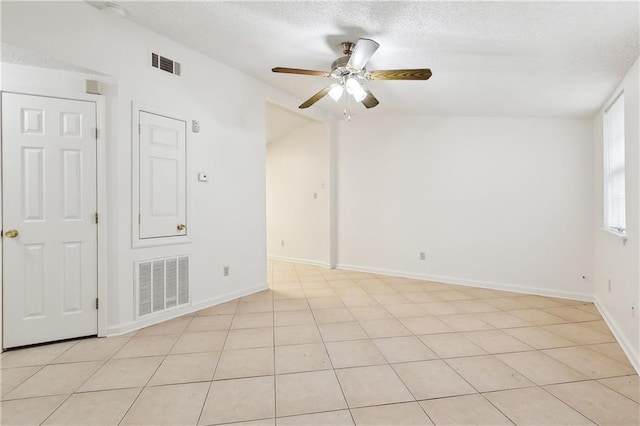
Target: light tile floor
[332,347]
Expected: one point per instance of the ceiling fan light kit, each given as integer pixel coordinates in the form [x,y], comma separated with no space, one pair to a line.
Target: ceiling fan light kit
[350,72]
[355,89]
[336,91]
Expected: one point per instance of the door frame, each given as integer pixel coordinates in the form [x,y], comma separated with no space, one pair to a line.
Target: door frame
[101,193]
[331,212]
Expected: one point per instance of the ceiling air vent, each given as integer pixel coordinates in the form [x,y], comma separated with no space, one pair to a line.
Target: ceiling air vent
[165,64]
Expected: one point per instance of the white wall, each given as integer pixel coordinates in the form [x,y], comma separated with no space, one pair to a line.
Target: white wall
[298,167]
[615,261]
[227,213]
[495,202]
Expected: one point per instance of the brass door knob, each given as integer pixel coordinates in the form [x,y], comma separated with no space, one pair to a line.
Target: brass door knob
[11,233]
[182,227]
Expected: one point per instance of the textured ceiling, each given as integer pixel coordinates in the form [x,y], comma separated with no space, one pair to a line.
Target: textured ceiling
[488,58]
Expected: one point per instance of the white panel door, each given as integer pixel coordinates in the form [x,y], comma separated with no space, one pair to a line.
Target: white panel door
[49,231]
[162,176]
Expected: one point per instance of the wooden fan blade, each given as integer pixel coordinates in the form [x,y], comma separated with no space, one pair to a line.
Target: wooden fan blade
[300,71]
[315,98]
[415,74]
[370,101]
[361,53]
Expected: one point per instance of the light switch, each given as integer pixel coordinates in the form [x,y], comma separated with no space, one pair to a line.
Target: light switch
[203,177]
[195,126]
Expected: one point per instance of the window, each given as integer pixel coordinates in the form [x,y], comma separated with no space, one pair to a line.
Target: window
[614,198]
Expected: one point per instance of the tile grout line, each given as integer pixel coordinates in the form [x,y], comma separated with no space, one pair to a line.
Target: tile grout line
[443,360]
[38,369]
[499,360]
[273,328]
[333,369]
[567,404]
[142,389]
[456,332]
[104,362]
[213,375]
[609,387]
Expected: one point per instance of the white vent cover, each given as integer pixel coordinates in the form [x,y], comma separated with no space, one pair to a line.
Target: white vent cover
[165,64]
[162,284]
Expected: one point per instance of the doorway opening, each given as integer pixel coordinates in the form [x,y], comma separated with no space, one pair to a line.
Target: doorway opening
[298,187]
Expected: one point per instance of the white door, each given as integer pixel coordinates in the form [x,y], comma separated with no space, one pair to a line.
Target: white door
[162,176]
[49,240]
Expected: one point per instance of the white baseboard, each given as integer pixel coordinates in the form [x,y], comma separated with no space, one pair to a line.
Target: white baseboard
[473,283]
[303,261]
[120,329]
[631,352]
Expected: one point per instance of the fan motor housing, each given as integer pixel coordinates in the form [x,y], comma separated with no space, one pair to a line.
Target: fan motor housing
[339,68]
[340,64]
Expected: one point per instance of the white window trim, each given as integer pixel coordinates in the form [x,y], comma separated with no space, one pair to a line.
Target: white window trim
[621,234]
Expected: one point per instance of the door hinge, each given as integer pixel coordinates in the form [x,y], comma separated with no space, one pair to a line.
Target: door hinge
[97,303]
[96,217]
[96,133]
[139,128]
[139,219]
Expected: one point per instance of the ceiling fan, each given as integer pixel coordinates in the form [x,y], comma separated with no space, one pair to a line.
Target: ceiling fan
[349,72]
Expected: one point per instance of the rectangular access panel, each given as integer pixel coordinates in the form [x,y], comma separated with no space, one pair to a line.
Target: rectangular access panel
[162,180]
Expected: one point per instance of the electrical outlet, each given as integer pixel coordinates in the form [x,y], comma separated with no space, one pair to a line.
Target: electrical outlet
[609,284]
[423,256]
[281,243]
[225,271]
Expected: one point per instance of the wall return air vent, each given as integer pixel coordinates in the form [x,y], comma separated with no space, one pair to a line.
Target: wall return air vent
[165,64]
[162,284]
